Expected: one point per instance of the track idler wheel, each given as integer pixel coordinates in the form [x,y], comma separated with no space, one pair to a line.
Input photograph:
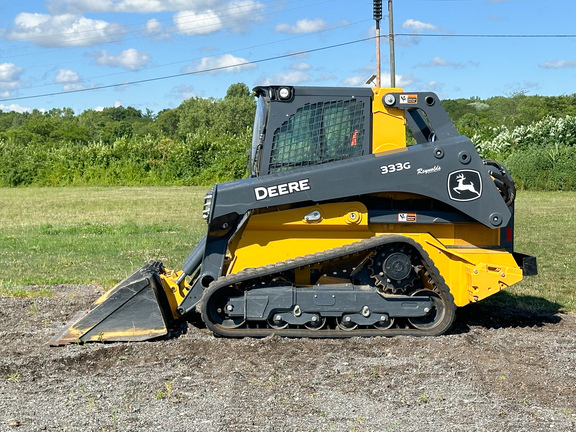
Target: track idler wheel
[216,308]
[435,317]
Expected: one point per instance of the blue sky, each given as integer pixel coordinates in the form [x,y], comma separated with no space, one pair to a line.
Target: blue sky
[50,47]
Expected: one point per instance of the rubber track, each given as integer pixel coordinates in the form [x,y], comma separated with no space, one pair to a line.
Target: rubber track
[331,254]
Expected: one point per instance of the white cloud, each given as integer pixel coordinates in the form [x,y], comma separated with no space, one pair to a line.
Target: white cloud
[227,63]
[433,86]
[302,26]
[184,91]
[131,59]
[558,64]
[286,78]
[67,76]
[235,17]
[522,87]
[355,81]
[9,72]
[416,27]
[419,26]
[153,27]
[63,30]
[401,80]
[15,107]
[297,54]
[360,80]
[116,104]
[362,75]
[73,86]
[196,23]
[9,77]
[240,14]
[440,62]
[130,6]
[302,66]
[326,77]
[407,41]
[69,79]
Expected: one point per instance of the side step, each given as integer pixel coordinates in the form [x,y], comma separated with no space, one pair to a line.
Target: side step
[135,310]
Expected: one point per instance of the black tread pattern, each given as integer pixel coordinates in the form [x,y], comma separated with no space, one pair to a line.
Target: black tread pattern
[247,275]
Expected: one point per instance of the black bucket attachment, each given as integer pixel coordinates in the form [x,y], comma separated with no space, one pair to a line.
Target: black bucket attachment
[137,309]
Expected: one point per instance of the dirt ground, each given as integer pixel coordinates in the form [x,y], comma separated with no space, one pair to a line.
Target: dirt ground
[497,370]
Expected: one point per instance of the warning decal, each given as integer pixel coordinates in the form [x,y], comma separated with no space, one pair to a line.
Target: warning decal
[406,217]
[408,99]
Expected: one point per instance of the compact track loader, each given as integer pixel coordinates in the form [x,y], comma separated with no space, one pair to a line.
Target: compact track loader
[341,229]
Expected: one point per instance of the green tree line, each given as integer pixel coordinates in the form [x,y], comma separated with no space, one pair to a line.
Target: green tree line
[206,140]
[199,142]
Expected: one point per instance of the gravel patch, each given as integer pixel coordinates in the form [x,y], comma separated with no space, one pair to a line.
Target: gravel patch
[497,370]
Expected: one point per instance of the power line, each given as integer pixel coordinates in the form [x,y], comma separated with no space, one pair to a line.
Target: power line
[190,73]
[199,58]
[285,56]
[486,35]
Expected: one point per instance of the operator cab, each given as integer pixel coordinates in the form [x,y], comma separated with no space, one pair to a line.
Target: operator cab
[302,126]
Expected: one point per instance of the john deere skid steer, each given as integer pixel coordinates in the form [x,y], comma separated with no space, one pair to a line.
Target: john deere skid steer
[341,229]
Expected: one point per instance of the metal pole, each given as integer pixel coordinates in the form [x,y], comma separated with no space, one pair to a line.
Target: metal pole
[378,61]
[391,37]
[377,18]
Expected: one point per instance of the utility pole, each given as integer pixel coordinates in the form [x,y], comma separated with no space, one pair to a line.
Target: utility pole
[377,18]
[391,37]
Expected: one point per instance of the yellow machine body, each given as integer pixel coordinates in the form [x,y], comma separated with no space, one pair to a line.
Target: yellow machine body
[388,124]
[467,255]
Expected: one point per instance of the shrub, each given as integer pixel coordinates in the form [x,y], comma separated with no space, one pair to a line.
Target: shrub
[204,157]
[502,141]
[548,167]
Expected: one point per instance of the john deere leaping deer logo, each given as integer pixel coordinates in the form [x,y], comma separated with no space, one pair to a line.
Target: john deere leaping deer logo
[464,185]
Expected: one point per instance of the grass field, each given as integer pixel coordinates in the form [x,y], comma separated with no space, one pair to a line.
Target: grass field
[100,235]
[94,235]
[546,228]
